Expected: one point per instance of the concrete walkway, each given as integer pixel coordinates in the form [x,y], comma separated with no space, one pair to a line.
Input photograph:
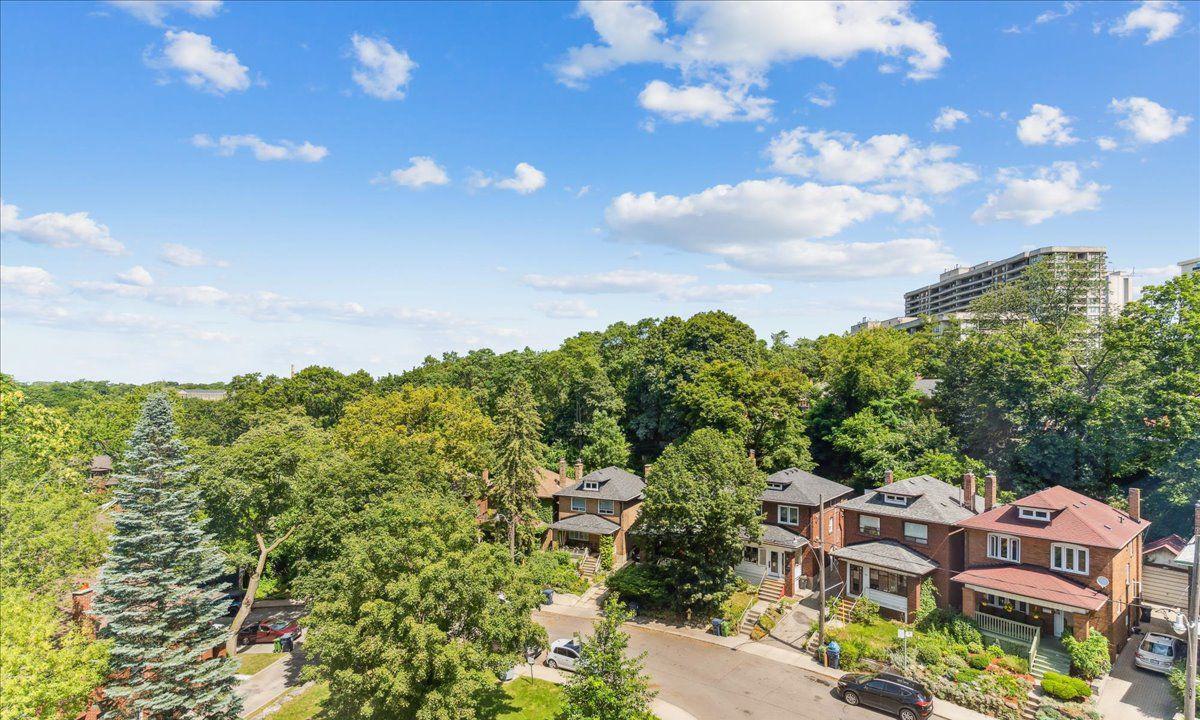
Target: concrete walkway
[270,682]
[662,709]
[1130,693]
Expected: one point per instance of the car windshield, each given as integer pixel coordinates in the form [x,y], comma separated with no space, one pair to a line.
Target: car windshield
[1158,647]
[278,624]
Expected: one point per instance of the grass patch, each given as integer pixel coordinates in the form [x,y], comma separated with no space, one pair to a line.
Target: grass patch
[524,699]
[736,605]
[304,706]
[252,663]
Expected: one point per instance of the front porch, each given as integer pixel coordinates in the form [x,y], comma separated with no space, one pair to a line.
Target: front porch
[887,573]
[581,536]
[777,555]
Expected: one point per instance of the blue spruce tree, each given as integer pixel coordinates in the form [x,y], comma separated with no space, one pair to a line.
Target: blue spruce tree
[155,594]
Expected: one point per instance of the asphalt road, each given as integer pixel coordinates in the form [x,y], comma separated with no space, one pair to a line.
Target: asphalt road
[716,683]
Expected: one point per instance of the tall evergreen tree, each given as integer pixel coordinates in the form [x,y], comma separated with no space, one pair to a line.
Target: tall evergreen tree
[153,592]
[608,685]
[518,448]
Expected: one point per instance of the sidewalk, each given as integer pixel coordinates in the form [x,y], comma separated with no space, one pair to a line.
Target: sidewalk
[663,710]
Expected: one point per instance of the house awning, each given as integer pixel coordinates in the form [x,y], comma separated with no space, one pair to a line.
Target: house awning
[1033,584]
[587,523]
[889,555]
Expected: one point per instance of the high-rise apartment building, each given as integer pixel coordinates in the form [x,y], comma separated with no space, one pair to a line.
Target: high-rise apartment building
[1187,267]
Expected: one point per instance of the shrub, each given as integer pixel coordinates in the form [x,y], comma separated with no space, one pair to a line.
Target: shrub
[953,625]
[1063,687]
[967,675]
[928,655]
[555,569]
[1089,658]
[979,661]
[995,651]
[606,553]
[865,611]
[927,601]
[1179,687]
[1014,664]
[641,583]
[767,622]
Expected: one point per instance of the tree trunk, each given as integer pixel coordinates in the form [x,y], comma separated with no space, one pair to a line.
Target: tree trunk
[251,590]
[512,539]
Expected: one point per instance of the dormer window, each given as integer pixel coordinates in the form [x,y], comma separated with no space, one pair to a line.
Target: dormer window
[1033,514]
[591,485]
[891,499]
[777,486]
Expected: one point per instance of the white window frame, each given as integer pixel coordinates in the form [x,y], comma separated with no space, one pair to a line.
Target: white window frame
[923,540]
[581,507]
[777,487]
[1013,545]
[1059,552]
[862,525]
[612,507]
[892,499]
[793,514]
[998,601]
[1033,514]
[831,522]
[576,535]
[591,485]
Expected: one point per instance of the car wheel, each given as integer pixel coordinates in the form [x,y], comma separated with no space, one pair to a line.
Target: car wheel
[850,697]
[551,664]
[907,714]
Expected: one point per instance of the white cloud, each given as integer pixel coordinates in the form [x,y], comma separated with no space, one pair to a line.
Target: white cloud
[136,275]
[174,296]
[227,145]
[1068,8]
[948,119]
[421,171]
[202,65]
[1051,191]
[824,95]
[58,230]
[154,12]
[1147,121]
[707,103]
[27,280]
[383,71]
[1044,125]
[1159,18]
[184,256]
[1106,143]
[566,309]
[669,286]
[888,161]
[526,179]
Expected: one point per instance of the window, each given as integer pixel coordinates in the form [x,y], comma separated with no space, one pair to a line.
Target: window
[856,579]
[916,532]
[1002,601]
[831,519]
[1033,514]
[891,499]
[1069,558]
[750,554]
[605,507]
[576,535]
[591,485]
[1004,547]
[777,486]
[868,524]
[887,582]
[789,515]
[578,505]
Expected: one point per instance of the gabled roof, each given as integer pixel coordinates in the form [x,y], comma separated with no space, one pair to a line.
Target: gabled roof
[587,523]
[1033,582]
[615,484]
[1074,518]
[887,554]
[548,483]
[101,463]
[932,501]
[779,537]
[1172,542]
[803,488]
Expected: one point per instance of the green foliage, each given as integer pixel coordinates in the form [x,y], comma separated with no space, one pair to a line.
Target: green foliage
[865,611]
[643,583]
[608,685]
[699,508]
[517,452]
[927,600]
[733,608]
[604,443]
[952,624]
[1064,687]
[979,661]
[1178,681]
[1089,658]
[606,553]
[1014,664]
[554,569]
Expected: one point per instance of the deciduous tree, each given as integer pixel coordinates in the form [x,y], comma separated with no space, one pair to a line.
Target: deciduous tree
[608,685]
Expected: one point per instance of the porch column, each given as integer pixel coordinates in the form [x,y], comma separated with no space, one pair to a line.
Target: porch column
[969,603]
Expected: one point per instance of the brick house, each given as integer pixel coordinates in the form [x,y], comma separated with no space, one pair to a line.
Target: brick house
[1052,563]
[787,548]
[901,533]
[603,502]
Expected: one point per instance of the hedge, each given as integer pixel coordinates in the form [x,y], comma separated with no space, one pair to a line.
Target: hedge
[1064,687]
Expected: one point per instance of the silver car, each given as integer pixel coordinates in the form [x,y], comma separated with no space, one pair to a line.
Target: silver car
[563,654]
[1158,652]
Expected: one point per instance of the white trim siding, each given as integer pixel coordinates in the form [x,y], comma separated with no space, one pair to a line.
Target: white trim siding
[1004,547]
[1069,558]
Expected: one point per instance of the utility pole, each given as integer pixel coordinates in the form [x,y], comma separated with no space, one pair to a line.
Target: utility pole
[1193,623]
[821,570]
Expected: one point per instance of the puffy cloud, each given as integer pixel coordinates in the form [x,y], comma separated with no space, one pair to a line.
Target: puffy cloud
[670,286]
[566,309]
[1051,191]
[154,12]
[526,179]
[136,275]
[184,256]
[1147,121]
[888,161]
[948,119]
[707,103]
[202,65]
[227,145]
[824,95]
[383,71]
[421,171]
[1044,125]
[1159,18]
[1106,143]
[174,296]
[27,280]
[58,230]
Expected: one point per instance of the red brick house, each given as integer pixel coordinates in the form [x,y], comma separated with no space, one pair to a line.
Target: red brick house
[603,502]
[901,533]
[787,548]
[1052,563]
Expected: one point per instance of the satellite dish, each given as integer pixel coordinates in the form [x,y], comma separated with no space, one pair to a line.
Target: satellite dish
[1102,581]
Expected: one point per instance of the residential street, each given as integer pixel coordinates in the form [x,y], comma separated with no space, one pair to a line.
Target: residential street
[714,683]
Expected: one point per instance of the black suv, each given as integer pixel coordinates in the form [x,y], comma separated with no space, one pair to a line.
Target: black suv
[889,692]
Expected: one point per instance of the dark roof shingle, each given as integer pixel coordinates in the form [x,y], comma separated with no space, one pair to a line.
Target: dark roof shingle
[932,501]
[803,488]
[614,484]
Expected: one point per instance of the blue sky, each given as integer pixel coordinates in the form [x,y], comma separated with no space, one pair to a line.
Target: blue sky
[194,190]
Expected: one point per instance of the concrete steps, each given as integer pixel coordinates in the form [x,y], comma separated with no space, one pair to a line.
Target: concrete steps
[770,590]
[589,566]
[751,619]
[1050,661]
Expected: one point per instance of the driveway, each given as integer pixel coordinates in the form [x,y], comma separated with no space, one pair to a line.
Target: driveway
[715,683]
[1131,693]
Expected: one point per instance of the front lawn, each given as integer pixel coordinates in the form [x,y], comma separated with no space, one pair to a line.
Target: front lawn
[524,699]
[737,603]
[252,663]
[305,706]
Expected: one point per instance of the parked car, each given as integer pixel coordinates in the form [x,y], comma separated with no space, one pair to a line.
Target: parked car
[907,699]
[1159,653]
[265,632]
[563,654]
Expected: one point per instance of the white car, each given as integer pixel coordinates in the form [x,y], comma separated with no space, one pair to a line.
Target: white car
[1158,652]
[563,654]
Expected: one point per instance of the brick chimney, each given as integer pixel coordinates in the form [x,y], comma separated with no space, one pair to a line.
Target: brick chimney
[969,491]
[645,471]
[752,459]
[888,477]
[485,478]
[578,470]
[1135,503]
[562,472]
[989,492]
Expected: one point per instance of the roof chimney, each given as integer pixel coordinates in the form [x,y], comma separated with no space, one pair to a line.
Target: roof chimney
[752,457]
[969,491]
[485,478]
[645,471]
[989,492]
[562,472]
[887,477]
[578,470]
[1135,503]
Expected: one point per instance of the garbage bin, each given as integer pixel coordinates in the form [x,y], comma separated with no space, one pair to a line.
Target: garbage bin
[287,643]
[278,645]
[1146,613]
[548,594]
[833,652]
[718,627]
[633,608]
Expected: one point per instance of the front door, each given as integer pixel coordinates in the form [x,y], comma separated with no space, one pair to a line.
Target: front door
[1058,623]
[775,562]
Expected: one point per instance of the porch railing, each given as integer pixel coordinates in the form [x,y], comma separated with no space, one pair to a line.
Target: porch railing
[1012,630]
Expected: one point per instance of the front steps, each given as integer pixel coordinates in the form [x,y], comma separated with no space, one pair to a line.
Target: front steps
[770,590]
[1048,660]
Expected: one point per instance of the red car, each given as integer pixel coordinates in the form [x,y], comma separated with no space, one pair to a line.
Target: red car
[265,632]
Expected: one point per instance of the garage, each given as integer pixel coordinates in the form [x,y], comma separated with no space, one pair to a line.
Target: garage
[1164,581]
